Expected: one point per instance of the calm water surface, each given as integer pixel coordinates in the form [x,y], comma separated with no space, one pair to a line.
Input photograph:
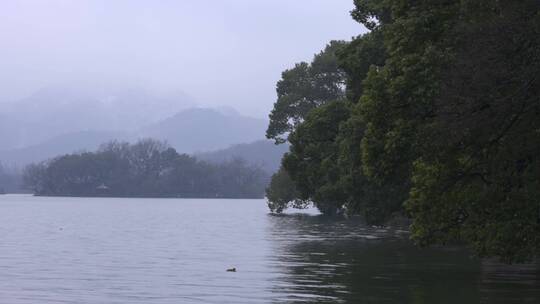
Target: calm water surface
[95,250]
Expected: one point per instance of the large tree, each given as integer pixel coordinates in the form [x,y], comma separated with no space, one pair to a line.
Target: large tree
[313,158]
[303,88]
[455,114]
[442,112]
[324,163]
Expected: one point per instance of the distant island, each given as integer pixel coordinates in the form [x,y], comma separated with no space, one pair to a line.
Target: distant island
[148,168]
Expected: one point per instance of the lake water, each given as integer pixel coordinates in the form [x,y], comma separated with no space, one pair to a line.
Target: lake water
[96,250]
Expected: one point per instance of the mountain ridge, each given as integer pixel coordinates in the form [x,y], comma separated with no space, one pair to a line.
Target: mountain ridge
[214,131]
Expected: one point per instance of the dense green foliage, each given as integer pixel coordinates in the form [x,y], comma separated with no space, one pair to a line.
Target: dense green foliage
[148,168]
[324,161]
[282,193]
[303,88]
[441,121]
[312,162]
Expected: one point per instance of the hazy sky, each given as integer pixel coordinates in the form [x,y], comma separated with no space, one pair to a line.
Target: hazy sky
[221,52]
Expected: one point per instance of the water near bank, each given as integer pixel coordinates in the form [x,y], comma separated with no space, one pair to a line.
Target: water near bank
[96,250]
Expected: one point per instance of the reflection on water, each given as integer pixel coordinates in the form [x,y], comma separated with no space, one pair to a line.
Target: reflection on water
[100,250]
[328,261]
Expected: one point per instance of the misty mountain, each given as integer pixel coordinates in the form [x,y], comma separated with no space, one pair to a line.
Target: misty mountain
[62,144]
[188,131]
[199,129]
[10,132]
[263,153]
[60,110]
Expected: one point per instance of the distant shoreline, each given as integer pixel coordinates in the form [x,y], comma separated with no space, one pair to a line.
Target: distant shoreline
[139,196]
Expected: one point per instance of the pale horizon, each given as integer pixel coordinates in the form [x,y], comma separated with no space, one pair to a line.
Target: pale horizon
[226,53]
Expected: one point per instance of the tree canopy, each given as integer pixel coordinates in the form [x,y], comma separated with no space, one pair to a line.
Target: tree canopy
[440,121]
[148,168]
[303,88]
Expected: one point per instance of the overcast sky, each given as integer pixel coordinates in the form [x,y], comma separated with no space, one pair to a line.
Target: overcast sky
[221,52]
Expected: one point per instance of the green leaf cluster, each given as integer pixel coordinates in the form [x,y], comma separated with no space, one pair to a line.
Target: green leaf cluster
[440,120]
[306,87]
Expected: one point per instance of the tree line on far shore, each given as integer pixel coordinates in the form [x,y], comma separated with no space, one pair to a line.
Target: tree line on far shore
[148,168]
